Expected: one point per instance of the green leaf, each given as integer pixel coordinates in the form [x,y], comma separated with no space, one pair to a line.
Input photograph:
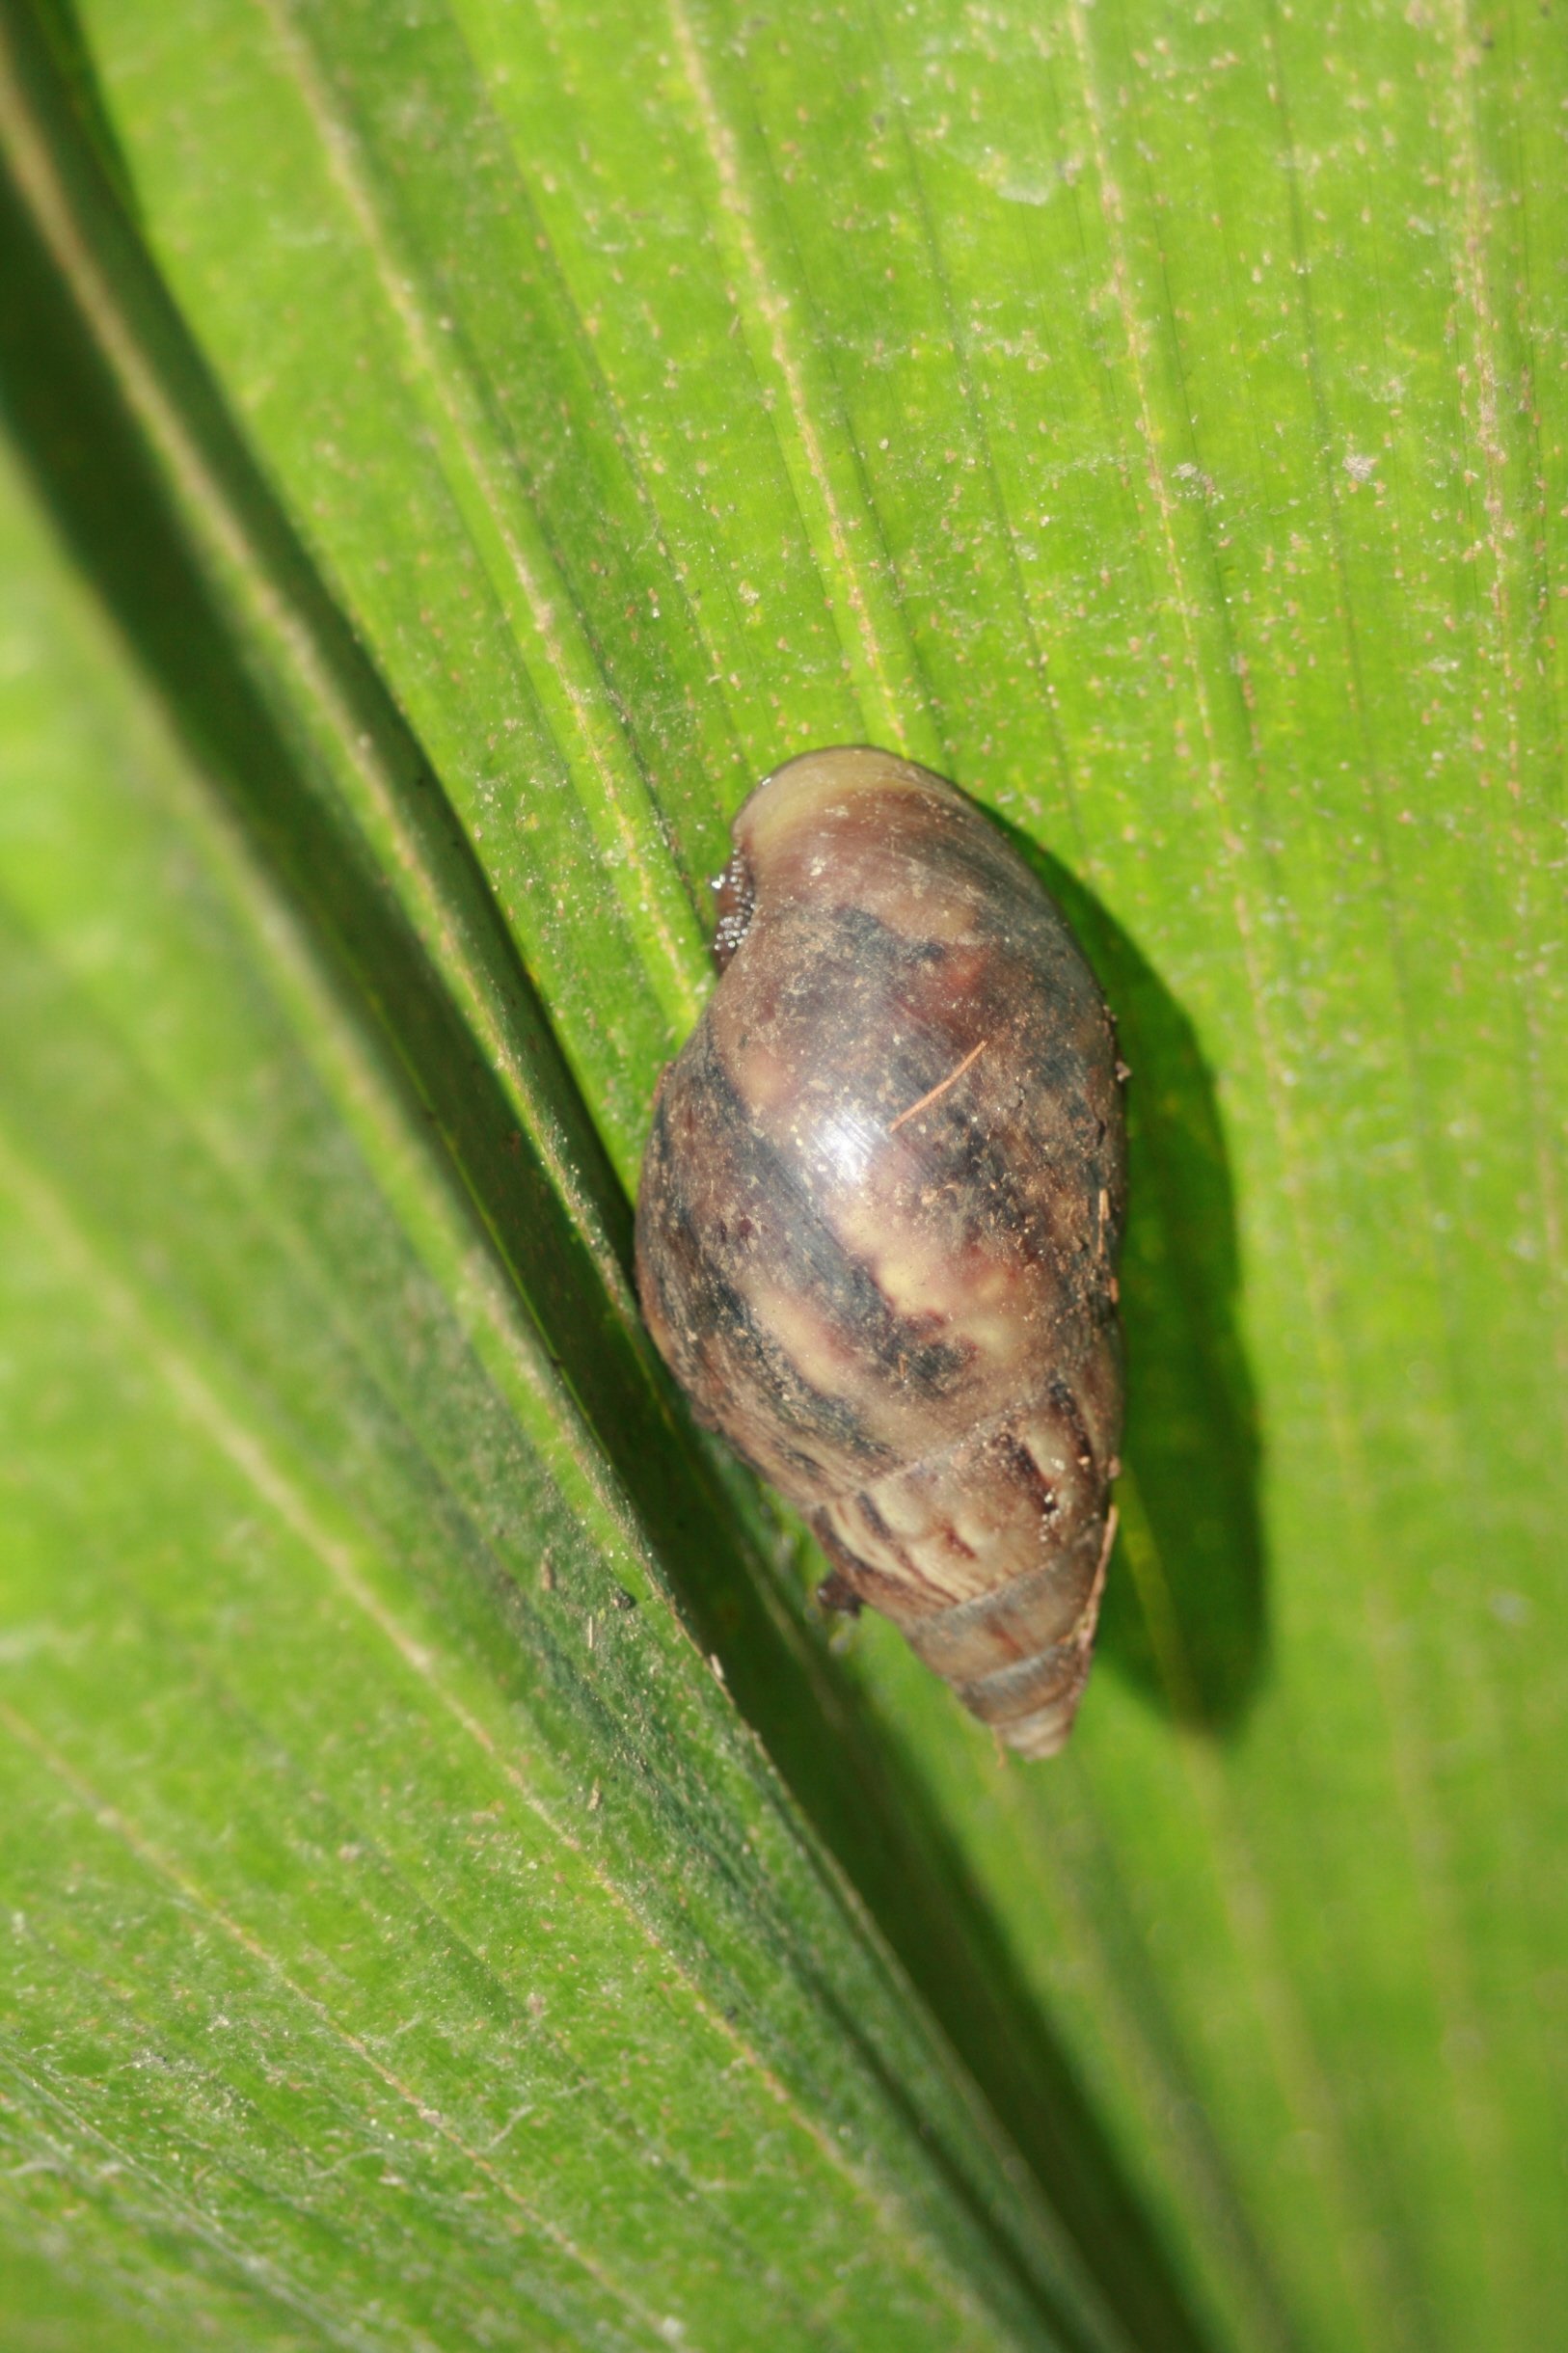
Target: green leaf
[329,1230]
[455,449]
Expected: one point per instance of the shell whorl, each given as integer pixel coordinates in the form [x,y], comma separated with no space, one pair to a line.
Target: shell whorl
[879,1216]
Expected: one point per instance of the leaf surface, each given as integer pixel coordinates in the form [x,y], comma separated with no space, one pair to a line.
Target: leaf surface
[556,417]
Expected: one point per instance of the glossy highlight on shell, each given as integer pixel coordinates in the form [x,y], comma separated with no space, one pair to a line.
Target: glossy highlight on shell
[879,1216]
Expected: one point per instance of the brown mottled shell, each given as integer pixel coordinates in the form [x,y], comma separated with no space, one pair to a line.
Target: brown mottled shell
[879,1216]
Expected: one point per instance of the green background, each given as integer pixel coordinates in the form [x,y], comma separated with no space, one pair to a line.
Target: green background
[453,1890]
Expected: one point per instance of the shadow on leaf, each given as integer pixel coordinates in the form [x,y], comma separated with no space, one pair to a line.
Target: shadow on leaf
[1187,1620]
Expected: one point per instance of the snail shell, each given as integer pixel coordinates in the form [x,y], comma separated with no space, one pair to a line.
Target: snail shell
[879,1216]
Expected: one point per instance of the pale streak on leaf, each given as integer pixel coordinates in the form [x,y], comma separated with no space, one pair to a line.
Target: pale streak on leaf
[1481,401]
[887,718]
[211,512]
[1311,2086]
[114,1820]
[635,851]
[1131,2027]
[1463,2036]
[249,2265]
